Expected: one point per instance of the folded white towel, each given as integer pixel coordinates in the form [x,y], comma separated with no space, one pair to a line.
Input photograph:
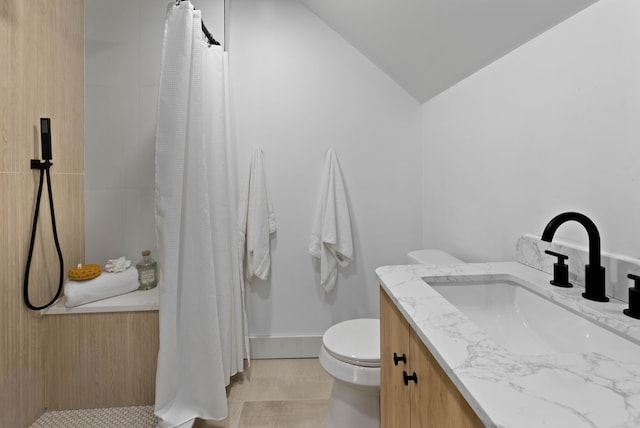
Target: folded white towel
[257,221]
[118,265]
[104,286]
[331,240]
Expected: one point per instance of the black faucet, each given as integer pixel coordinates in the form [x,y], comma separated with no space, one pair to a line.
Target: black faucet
[594,272]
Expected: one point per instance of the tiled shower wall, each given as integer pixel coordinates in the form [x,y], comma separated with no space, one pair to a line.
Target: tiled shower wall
[122,73]
[41,75]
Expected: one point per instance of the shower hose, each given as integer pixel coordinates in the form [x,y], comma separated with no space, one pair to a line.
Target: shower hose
[44,170]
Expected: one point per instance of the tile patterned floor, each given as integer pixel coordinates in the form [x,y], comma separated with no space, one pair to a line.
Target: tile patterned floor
[283,393]
[138,416]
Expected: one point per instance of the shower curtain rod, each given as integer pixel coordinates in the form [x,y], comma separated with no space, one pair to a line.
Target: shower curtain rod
[206,32]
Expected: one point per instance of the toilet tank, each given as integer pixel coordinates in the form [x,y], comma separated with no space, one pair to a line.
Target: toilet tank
[432,257]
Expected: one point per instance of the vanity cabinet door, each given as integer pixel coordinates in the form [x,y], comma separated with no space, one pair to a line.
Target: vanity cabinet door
[435,401]
[395,397]
[431,402]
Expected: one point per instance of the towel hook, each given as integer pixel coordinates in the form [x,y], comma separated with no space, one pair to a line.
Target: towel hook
[178,2]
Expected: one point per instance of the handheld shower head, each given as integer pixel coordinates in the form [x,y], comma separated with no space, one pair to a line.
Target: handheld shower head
[45,135]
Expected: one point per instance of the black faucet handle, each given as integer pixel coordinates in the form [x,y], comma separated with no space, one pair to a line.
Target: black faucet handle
[634,298]
[560,270]
[561,257]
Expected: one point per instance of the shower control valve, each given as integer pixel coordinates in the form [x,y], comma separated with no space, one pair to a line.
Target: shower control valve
[40,164]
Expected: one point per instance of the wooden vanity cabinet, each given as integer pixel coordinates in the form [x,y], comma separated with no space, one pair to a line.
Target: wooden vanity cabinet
[432,401]
[395,397]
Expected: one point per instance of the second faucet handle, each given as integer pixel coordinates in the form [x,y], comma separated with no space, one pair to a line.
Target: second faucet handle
[560,270]
[634,298]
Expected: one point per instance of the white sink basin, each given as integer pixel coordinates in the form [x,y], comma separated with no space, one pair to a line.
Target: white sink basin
[527,323]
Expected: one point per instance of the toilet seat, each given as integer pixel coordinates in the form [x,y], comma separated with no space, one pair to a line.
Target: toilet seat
[354,342]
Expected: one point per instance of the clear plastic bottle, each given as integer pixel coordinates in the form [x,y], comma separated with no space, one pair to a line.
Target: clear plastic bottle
[147,271]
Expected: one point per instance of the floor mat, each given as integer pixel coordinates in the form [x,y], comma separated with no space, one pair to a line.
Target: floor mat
[114,417]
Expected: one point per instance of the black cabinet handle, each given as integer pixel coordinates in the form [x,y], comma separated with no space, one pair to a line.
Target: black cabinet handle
[396,358]
[407,378]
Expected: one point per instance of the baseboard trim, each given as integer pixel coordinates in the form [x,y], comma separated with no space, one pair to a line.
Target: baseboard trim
[265,347]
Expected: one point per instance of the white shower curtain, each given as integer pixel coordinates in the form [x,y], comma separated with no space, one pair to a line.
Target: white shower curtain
[203,338]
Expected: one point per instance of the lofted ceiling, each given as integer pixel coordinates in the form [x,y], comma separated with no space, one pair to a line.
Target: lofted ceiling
[427,46]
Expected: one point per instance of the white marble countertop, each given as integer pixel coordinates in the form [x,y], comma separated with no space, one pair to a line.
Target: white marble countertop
[509,390]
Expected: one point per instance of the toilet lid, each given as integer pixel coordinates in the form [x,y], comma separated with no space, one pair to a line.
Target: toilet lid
[355,342]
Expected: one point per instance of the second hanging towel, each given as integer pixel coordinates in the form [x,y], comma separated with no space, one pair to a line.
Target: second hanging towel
[331,240]
[257,221]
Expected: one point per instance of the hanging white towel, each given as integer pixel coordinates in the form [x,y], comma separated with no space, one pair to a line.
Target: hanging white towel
[331,240]
[257,221]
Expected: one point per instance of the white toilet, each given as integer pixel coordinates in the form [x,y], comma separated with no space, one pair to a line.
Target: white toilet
[351,354]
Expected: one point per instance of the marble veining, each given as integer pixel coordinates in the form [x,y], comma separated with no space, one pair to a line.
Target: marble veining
[509,390]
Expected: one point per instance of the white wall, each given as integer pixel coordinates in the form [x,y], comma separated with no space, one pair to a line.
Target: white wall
[298,89]
[123,50]
[553,126]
